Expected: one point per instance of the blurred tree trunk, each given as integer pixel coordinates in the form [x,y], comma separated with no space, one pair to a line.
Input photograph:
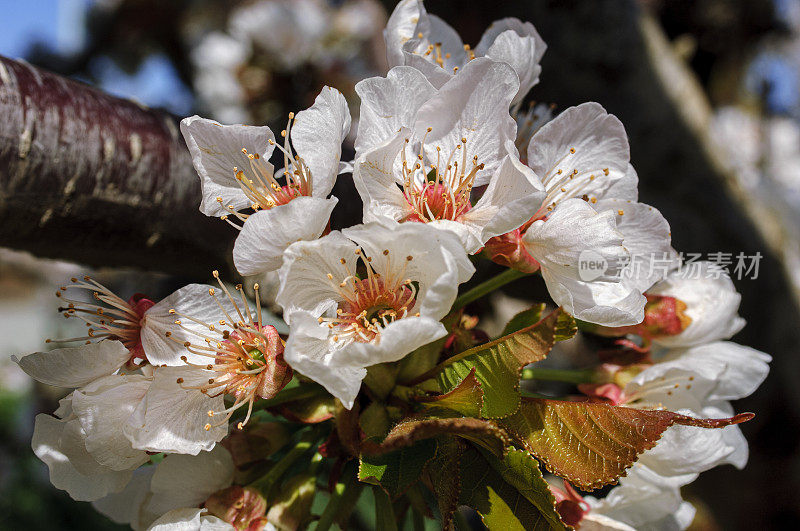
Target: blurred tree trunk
[98,180]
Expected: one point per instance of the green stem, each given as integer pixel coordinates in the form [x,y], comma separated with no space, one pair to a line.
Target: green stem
[342,491]
[560,375]
[268,480]
[486,287]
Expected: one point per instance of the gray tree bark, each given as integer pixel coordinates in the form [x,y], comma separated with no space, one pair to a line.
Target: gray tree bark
[99,180]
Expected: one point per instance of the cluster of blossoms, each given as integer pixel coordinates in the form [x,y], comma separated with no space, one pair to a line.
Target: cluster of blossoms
[168,398]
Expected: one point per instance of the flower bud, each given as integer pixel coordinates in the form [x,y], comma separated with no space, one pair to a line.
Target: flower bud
[237,505]
[508,250]
[256,442]
[663,316]
[292,508]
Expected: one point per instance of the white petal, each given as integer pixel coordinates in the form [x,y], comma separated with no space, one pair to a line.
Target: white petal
[572,236]
[521,53]
[74,366]
[59,450]
[512,197]
[103,408]
[171,419]
[305,269]
[691,450]
[439,262]
[312,354]
[125,507]
[396,340]
[597,522]
[317,136]
[187,480]
[216,149]
[389,103]
[401,27]
[376,182]
[523,29]
[741,369]
[626,188]
[711,301]
[646,235]
[638,501]
[599,143]
[192,300]
[472,105]
[266,234]
[189,519]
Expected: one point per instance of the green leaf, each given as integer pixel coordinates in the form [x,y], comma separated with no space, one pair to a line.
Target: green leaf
[466,398]
[499,502]
[592,445]
[498,364]
[566,327]
[396,471]
[521,471]
[524,319]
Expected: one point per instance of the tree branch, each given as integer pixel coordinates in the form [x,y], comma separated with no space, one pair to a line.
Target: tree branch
[99,180]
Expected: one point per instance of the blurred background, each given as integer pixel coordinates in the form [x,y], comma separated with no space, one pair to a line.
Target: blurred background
[709,92]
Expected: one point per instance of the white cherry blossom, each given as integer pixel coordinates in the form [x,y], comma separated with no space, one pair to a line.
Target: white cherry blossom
[290,204]
[421,151]
[426,42]
[367,295]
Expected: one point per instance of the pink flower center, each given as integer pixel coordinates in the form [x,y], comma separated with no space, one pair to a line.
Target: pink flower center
[439,190]
[371,301]
[246,361]
[263,188]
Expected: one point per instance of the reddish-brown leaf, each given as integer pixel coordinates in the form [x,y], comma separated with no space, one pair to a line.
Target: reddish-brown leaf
[412,430]
[592,445]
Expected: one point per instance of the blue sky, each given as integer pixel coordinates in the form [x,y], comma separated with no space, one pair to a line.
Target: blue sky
[60,25]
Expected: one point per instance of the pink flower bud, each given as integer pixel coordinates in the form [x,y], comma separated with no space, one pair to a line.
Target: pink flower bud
[237,505]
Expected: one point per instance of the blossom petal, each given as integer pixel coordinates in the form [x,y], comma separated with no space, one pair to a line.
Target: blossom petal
[389,103]
[266,234]
[403,26]
[74,366]
[60,448]
[647,236]
[499,27]
[376,182]
[216,149]
[438,262]
[740,370]
[522,53]
[317,136]
[312,354]
[126,506]
[472,105]
[583,139]
[573,235]
[188,480]
[690,450]
[193,300]
[103,408]
[304,273]
[641,501]
[512,197]
[189,519]
[396,340]
[712,303]
[171,418]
